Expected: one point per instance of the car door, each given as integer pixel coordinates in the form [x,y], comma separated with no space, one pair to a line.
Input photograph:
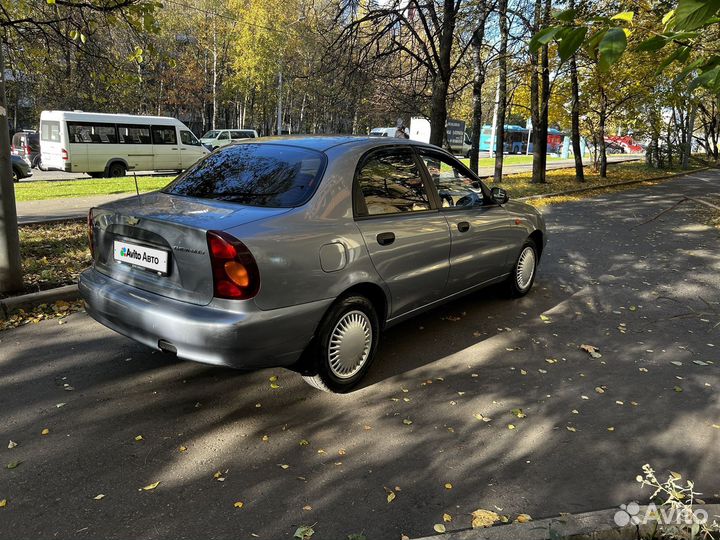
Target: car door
[407,238]
[190,148]
[482,235]
[166,151]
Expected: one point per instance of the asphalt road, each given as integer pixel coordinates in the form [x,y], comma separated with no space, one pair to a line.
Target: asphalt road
[646,295]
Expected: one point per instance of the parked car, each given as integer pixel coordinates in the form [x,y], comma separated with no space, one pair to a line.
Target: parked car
[298,252]
[26,144]
[222,137]
[20,168]
[383,132]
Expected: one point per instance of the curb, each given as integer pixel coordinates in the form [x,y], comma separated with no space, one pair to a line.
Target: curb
[68,292]
[610,184]
[41,221]
[598,525]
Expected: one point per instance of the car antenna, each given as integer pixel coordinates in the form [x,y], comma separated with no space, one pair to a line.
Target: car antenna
[137,189]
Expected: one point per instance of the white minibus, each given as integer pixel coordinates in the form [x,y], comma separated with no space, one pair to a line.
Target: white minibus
[112,144]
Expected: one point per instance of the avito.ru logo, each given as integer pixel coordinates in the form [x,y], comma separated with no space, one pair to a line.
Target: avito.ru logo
[630,514]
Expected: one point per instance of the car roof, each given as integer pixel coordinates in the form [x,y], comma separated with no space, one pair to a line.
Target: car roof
[323,143]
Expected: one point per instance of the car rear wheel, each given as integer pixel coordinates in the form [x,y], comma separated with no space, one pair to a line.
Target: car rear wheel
[344,346]
[522,277]
[16,175]
[116,170]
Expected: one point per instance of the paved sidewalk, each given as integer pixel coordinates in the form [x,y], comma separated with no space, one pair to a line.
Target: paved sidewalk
[648,296]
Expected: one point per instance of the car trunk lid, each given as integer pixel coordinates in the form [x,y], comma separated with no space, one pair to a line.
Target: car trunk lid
[165,241]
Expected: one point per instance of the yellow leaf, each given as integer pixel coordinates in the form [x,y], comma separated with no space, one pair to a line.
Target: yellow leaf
[307,507]
[284,466]
[274,386]
[138,438]
[511,426]
[45,431]
[484,518]
[716,426]
[265,438]
[523,518]
[342,452]
[239,504]
[407,421]
[182,449]
[611,428]
[303,442]
[439,528]
[599,390]
[99,496]
[151,486]
[447,518]
[391,497]
[570,428]
[273,378]
[448,486]
[3,503]
[544,318]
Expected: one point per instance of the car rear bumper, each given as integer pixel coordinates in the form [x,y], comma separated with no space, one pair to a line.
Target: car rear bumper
[245,338]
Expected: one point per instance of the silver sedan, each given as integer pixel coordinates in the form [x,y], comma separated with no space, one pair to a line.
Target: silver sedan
[298,252]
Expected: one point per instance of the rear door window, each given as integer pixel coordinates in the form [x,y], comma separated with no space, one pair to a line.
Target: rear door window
[455,186]
[389,182]
[266,175]
[134,134]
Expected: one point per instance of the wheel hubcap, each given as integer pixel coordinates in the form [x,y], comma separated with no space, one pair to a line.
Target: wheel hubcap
[525,268]
[350,344]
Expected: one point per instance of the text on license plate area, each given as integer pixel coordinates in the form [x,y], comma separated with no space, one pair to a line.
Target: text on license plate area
[142,256]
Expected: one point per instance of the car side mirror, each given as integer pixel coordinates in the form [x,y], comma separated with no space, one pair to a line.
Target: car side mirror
[499,195]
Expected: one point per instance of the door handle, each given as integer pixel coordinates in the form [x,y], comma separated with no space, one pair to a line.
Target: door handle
[385,238]
[463,226]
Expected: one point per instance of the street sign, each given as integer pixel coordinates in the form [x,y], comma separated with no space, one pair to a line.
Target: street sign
[455,133]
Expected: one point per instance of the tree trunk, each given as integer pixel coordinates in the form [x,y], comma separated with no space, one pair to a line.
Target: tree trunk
[478,82]
[441,82]
[540,150]
[601,134]
[502,93]
[575,116]
[214,78]
[10,267]
[689,128]
[535,93]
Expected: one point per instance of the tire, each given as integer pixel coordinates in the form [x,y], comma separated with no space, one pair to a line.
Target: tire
[116,170]
[522,277]
[37,163]
[351,325]
[16,175]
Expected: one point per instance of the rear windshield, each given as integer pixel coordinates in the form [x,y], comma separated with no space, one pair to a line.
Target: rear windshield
[50,130]
[253,174]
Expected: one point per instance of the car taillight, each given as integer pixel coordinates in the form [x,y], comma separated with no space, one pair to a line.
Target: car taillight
[90,233]
[235,272]
[64,154]
[28,150]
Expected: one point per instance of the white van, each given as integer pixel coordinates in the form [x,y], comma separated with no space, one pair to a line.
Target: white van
[112,144]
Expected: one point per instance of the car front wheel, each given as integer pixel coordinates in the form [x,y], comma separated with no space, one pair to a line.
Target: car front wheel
[522,277]
[344,346]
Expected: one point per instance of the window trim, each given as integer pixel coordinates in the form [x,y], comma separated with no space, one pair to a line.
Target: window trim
[488,200]
[358,201]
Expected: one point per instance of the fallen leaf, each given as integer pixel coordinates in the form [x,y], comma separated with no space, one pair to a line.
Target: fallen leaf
[303,531]
[678,389]
[391,496]
[439,528]
[307,507]
[182,449]
[544,318]
[45,431]
[448,486]
[139,438]
[676,363]
[611,428]
[523,372]
[60,405]
[303,442]
[274,386]
[3,503]
[99,496]
[283,466]
[12,444]
[265,438]
[239,504]
[407,422]
[447,518]
[523,518]
[152,486]
[479,416]
[551,360]
[13,464]
[716,426]
[511,426]
[484,518]
[273,378]
[591,350]
[342,452]
[570,428]
[700,363]
[519,413]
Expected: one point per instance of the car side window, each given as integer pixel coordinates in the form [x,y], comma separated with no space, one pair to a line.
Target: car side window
[188,138]
[389,182]
[223,136]
[454,186]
